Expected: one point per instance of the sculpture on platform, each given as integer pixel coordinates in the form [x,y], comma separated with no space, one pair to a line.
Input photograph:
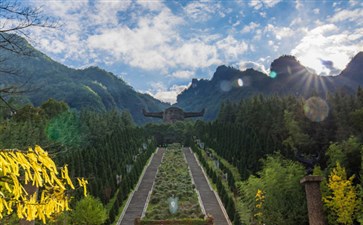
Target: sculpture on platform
[173,114]
[308,162]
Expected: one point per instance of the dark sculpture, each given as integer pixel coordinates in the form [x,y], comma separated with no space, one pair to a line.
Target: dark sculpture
[309,163]
[173,114]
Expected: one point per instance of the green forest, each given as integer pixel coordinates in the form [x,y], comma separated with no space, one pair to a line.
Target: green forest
[74,144]
[105,148]
[262,137]
[249,153]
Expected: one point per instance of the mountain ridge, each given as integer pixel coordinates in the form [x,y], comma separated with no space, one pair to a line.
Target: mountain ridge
[287,77]
[92,87]
[100,90]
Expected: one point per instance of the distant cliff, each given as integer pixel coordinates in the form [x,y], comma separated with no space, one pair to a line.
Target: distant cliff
[287,77]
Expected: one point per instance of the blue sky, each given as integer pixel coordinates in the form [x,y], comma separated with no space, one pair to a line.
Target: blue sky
[159,46]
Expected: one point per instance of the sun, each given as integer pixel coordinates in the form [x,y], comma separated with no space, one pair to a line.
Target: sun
[312,60]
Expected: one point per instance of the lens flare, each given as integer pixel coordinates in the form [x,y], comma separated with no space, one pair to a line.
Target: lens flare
[225,85]
[316,109]
[240,82]
[64,129]
[273,74]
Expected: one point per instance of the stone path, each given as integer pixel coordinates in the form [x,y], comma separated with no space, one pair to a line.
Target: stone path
[210,202]
[208,197]
[138,201]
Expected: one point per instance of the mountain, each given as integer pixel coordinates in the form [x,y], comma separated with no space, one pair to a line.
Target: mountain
[353,71]
[287,77]
[42,78]
[225,85]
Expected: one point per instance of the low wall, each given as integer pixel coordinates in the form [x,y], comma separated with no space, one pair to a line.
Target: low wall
[207,221]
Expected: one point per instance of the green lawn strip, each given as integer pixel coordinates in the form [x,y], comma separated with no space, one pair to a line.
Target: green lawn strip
[173,179]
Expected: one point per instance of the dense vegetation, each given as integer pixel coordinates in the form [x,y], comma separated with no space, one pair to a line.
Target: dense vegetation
[173,181]
[251,178]
[251,146]
[106,148]
[247,132]
[179,132]
[39,78]
[223,175]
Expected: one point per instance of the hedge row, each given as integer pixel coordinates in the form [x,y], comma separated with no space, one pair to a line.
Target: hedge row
[129,183]
[227,200]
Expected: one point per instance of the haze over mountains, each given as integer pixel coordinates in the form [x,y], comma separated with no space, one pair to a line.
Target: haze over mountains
[91,88]
[100,90]
[287,77]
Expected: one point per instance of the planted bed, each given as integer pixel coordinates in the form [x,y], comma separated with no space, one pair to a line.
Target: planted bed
[173,184]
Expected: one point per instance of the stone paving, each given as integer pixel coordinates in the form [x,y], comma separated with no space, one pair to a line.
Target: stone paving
[208,197]
[138,201]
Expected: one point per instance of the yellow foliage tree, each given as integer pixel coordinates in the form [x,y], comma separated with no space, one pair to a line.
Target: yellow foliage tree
[260,198]
[19,169]
[342,201]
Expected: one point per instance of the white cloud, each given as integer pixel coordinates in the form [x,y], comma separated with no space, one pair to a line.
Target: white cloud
[296,22]
[299,5]
[236,23]
[195,54]
[283,32]
[270,3]
[106,12]
[243,65]
[324,29]
[231,47]
[257,4]
[150,38]
[202,10]
[279,32]
[63,8]
[154,42]
[54,46]
[328,43]
[263,14]
[151,5]
[250,27]
[316,11]
[258,35]
[164,94]
[183,74]
[355,15]
[143,46]
[353,2]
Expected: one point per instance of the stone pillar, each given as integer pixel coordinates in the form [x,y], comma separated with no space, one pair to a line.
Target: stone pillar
[314,200]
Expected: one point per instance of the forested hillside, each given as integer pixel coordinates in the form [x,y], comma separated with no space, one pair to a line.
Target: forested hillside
[76,149]
[263,137]
[38,78]
[106,148]
[287,77]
